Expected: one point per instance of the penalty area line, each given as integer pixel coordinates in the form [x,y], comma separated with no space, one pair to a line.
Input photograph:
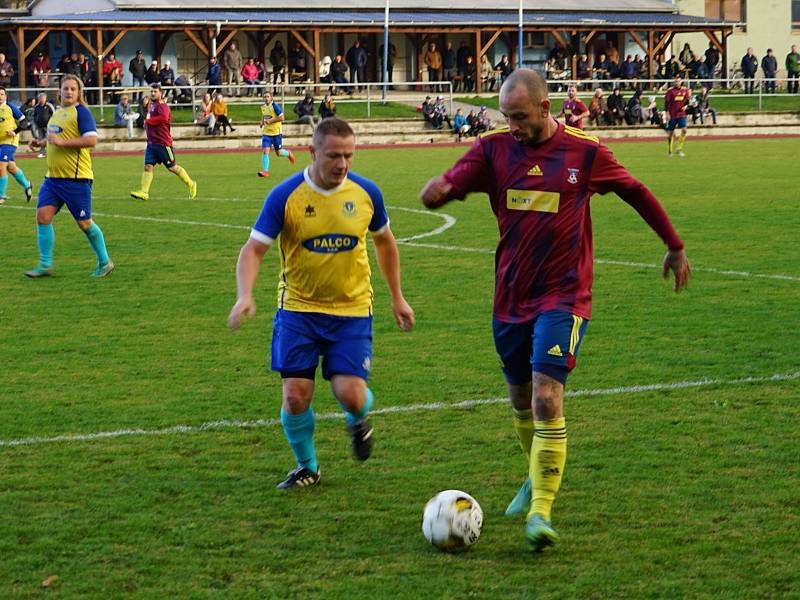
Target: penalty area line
[233,424]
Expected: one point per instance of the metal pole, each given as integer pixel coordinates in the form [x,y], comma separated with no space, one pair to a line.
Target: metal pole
[519,38]
[368,98]
[385,50]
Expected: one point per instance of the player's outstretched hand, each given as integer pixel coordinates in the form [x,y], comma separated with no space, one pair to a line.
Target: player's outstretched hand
[244,308]
[403,314]
[677,262]
[436,192]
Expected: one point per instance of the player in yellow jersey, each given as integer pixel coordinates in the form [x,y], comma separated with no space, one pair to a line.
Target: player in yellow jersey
[71,133]
[272,118]
[324,294]
[10,119]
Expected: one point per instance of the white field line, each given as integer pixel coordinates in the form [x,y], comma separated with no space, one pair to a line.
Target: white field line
[229,424]
[449,222]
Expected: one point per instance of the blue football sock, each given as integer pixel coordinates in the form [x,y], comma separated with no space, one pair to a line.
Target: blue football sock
[353,418]
[46,238]
[299,430]
[21,179]
[3,186]
[98,243]
[264,161]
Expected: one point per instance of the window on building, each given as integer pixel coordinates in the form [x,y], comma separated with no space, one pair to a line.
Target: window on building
[728,10]
[796,15]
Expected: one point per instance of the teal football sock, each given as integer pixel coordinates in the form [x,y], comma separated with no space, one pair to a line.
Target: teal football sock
[21,179]
[353,418]
[264,162]
[3,186]
[46,238]
[98,243]
[299,430]
[283,152]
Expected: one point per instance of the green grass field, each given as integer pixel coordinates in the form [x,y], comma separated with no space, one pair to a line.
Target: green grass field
[684,465]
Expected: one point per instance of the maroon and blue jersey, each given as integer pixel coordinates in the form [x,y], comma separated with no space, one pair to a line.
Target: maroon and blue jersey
[157,124]
[573,108]
[675,102]
[540,196]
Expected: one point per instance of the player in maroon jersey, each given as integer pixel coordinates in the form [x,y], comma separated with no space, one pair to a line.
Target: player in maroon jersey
[539,176]
[675,102]
[159,146]
[573,110]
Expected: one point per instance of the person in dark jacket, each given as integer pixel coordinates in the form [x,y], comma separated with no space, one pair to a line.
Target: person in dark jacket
[356,59]
[278,59]
[152,73]
[213,75]
[338,70]
[769,64]
[749,70]
[138,68]
[327,108]
[616,106]
[304,109]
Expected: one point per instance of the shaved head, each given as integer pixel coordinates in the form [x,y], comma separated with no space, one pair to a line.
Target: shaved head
[531,81]
[526,107]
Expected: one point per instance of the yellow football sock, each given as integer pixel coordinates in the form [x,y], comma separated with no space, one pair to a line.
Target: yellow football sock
[147,179]
[523,425]
[184,176]
[681,141]
[669,143]
[548,457]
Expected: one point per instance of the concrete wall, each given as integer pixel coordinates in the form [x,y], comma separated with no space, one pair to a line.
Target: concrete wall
[769,25]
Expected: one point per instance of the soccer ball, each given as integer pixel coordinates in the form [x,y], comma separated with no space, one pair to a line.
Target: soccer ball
[452,520]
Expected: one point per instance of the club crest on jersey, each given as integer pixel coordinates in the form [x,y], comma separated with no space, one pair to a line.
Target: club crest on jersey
[349,208]
[310,212]
[331,243]
[573,175]
[54,129]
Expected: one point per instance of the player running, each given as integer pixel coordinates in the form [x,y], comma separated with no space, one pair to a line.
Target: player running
[11,118]
[272,119]
[71,133]
[675,102]
[159,146]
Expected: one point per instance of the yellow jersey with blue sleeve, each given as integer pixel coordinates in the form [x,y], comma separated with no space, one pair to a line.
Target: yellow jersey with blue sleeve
[9,115]
[323,234]
[70,163]
[270,111]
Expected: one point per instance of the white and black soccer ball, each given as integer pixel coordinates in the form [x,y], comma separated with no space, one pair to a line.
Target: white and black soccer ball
[452,520]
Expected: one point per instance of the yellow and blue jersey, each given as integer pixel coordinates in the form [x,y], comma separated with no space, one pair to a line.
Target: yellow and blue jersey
[9,115]
[324,263]
[70,163]
[270,111]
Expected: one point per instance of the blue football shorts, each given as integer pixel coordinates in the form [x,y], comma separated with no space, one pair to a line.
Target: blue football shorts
[299,339]
[276,141]
[676,124]
[75,193]
[548,344]
[7,152]
[156,154]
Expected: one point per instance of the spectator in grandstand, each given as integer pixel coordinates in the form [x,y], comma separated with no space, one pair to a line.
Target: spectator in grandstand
[183,90]
[138,69]
[612,52]
[63,64]
[234,62]
[144,107]
[112,71]
[704,108]
[124,115]
[166,77]
[272,119]
[297,62]
[159,148]
[205,114]
[559,55]
[598,109]
[277,57]
[325,75]
[687,58]
[470,71]
[484,121]
[357,61]
[152,74]
[704,72]
[249,75]
[460,125]
[433,60]
[220,109]
[793,70]
[602,68]
[488,74]
[461,59]
[749,69]
[69,180]
[628,72]
[42,113]
[213,76]
[472,121]
[504,67]
[40,70]
[573,109]
[449,70]
[584,70]
[263,72]
[652,113]
[440,114]
[27,110]
[338,71]
[675,102]
[391,58]
[712,58]
[544,267]
[327,108]
[633,109]
[426,108]
[769,65]
[84,70]
[642,70]
[304,109]
[6,71]
[672,69]
[339,329]
[616,106]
